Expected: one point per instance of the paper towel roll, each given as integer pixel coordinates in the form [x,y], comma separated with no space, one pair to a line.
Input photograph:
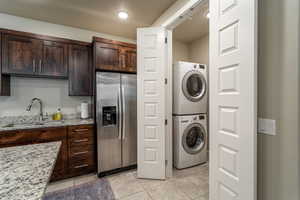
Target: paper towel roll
[84,110]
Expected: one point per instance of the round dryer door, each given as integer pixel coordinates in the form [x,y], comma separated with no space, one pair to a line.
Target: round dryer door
[194,85]
[194,138]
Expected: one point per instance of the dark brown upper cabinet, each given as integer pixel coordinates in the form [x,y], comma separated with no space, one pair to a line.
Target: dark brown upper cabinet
[4,85]
[54,59]
[19,54]
[23,55]
[80,70]
[107,56]
[110,55]
[33,55]
[4,79]
[130,59]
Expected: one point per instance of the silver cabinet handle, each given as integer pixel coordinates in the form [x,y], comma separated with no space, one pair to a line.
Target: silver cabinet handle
[123,112]
[81,130]
[81,166]
[79,153]
[120,114]
[40,66]
[83,140]
[33,65]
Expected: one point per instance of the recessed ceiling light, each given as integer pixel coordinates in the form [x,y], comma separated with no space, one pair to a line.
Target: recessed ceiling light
[208,15]
[123,15]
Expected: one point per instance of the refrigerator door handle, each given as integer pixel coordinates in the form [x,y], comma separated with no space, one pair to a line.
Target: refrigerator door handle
[123,113]
[120,117]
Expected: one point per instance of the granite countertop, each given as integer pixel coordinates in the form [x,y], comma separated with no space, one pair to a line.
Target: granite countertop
[26,170]
[46,124]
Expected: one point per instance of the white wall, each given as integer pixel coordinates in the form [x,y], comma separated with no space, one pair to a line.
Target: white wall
[170,11]
[54,93]
[278,98]
[196,51]
[180,51]
[199,50]
[56,30]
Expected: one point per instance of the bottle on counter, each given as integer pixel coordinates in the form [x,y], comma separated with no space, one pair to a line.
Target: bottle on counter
[57,116]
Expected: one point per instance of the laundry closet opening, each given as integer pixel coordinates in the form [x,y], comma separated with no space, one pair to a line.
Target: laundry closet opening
[190,96]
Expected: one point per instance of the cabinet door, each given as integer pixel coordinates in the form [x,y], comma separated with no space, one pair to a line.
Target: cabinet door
[107,56]
[4,85]
[127,59]
[80,71]
[4,79]
[35,136]
[14,138]
[54,59]
[130,59]
[19,55]
[52,135]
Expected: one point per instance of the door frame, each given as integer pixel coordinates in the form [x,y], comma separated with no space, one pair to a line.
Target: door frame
[179,15]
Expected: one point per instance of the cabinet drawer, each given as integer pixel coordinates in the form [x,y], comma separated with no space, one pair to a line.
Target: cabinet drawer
[81,135]
[83,150]
[81,141]
[77,131]
[79,163]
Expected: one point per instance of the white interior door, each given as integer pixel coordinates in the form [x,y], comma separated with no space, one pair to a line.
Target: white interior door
[233,26]
[151,65]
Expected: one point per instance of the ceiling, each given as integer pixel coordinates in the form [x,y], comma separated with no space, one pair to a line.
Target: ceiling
[94,15]
[194,28]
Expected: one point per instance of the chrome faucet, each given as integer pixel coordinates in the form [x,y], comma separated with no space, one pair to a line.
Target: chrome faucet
[41,117]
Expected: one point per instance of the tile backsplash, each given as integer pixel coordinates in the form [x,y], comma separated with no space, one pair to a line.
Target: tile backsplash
[53,93]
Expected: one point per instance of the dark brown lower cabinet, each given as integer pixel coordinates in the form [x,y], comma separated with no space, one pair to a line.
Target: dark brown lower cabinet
[77,152]
[82,157]
[52,135]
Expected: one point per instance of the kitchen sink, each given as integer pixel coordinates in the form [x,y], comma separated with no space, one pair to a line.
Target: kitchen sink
[56,122]
[32,124]
[37,123]
[8,126]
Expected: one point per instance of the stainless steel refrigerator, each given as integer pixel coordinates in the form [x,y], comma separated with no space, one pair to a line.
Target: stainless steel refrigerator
[116,114]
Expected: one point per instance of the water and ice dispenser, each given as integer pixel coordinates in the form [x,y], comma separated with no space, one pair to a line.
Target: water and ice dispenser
[109,115]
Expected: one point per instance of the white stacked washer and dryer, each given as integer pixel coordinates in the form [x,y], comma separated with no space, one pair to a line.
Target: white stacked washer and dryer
[190,98]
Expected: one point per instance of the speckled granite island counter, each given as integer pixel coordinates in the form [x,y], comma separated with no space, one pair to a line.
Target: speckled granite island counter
[25,170]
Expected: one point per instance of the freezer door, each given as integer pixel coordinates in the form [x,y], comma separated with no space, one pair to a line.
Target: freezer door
[109,119]
[129,133]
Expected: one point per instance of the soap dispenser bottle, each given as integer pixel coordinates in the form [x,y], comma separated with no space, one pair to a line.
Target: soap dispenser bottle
[57,116]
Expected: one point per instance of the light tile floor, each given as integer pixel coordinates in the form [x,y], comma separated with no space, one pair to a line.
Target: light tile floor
[186,184]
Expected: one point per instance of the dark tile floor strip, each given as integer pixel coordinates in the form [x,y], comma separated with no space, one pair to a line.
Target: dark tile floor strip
[95,190]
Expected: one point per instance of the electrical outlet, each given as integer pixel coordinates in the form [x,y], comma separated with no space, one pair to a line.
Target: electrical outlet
[267,126]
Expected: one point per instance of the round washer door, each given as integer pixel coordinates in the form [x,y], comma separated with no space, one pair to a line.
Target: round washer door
[194,138]
[194,85]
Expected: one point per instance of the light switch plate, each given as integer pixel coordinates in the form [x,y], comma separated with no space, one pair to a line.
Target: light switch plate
[267,126]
